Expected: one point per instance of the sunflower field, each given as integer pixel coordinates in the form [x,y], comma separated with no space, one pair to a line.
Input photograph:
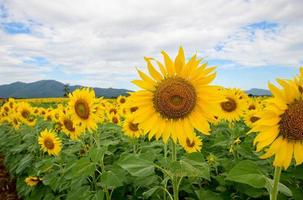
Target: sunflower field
[177,137]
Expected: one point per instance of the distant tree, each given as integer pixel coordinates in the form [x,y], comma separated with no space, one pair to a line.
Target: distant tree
[66,90]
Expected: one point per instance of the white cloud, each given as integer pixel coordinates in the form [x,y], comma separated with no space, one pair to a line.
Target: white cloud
[103,40]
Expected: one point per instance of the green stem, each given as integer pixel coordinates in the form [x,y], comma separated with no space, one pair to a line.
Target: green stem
[165,158]
[97,140]
[175,180]
[134,145]
[274,192]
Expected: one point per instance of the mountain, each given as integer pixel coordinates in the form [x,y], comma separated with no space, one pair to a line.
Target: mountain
[50,88]
[258,92]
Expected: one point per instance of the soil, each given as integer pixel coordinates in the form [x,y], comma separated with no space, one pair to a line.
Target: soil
[7,186]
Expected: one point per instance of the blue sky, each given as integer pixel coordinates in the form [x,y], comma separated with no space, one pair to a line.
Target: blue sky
[101,43]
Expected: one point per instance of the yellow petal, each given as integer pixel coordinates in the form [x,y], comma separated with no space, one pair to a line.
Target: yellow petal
[289,152]
[169,64]
[280,154]
[152,71]
[145,77]
[276,91]
[143,85]
[180,60]
[272,149]
[298,152]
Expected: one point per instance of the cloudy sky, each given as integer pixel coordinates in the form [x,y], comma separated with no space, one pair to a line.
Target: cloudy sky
[100,43]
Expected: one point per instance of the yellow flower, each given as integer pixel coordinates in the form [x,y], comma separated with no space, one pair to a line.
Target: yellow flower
[237,141]
[32,181]
[49,142]
[26,115]
[251,117]
[192,145]
[14,120]
[176,100]
[233,106]
[254,104]
[131,128]
[121,100]
[69,128]
[281,124]
[82,105]
[115,119]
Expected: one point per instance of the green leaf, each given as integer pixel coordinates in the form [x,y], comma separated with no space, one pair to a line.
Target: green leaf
[190,168]
[24,163]
[247,172]
[83,167]
[99,195]
[207,194]
[96,154]
[136,165]
[151,191]
[110,179]
[281,187]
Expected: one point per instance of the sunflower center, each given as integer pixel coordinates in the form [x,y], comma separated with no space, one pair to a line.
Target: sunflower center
[25,114]
[48,143]
[190,143]
[253,119]
[68,125]
[113,111]
[133,126]
[133,109]
[229,106]
[174,98]
[115,120]
[252,107]
[291,124]
[122,100]
[6,109]
[82,109]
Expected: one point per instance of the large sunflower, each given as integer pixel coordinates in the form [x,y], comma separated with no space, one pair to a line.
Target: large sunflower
[176,100]
[49,142]
[233,105]
[281,124]
[82,105]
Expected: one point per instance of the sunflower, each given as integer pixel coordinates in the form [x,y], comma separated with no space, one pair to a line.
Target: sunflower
[251,117]
[14,120]
[253,104]
[131,128]
[25,112]
[177,100]
[121,100]
[233,106]
[82,105]
[115,119]
[32,181]
[112,110]
[280,125]
[49,142]
[69,128]
[192,145]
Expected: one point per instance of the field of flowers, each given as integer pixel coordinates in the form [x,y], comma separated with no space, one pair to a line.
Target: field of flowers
[178,137]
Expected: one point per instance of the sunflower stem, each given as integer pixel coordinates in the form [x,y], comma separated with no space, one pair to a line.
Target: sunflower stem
[274,192]
[174,179]
[165,158]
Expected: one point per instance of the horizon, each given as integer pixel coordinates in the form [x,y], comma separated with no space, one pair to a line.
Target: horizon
[91,86]
[71,43]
